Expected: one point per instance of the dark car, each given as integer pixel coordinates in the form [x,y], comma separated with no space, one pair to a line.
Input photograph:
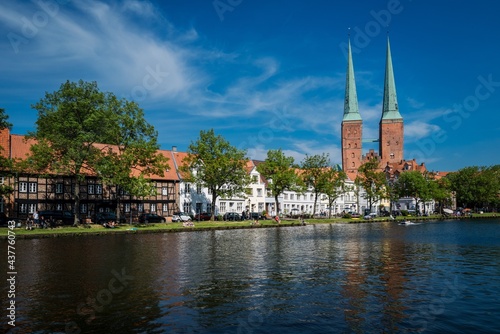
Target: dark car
[57,217]
[106,217]
[151,218]
[232,216]
[203,216]
[256,215]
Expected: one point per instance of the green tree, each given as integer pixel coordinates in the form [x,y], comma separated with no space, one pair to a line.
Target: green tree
[279,170]
[373,181]
[440,191]
[334,186]
[314,174]
[213,163]
[5,163]
[82,131]
[476,187]
[412,184]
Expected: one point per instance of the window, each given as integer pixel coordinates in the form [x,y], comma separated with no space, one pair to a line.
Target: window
[98,189]
[59,188]
[209,207]
[91,189]
[198,189]
[352,155]
[127,207]
[255,179]
[140,207]
[259,192]
[291,197]
[239,206]
[164,191]
[23,208]
[261,207]
[83,208]
[187,188]
[222,207]
[32,186]
[285,196]
[31,208]
[23,187]
[2,180]
[187,207]
[153,207]
[165,208]
[392,155]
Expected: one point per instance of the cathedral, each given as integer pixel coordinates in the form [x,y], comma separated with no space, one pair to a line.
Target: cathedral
[391,127]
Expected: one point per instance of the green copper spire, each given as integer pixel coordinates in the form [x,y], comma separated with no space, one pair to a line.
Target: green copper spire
[351,111]
[390,109]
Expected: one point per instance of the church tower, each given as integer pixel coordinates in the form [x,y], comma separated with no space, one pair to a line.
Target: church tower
[391,128]
[352,124]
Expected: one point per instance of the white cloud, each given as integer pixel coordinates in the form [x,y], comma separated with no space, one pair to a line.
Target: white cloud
[418,129]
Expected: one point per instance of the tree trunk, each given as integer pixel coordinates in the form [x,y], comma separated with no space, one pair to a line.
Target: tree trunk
[315,201]
[277,205]
[214,199]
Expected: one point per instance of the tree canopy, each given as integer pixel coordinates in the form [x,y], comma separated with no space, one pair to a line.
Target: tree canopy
[279,170]
[212,162]
[317,175]
[477,187]
[81,130]
[373,181]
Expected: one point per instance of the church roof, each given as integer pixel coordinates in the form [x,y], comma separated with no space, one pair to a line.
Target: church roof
[390,109]
[351,109]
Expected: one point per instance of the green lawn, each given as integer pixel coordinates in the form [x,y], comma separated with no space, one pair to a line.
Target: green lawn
[177,227]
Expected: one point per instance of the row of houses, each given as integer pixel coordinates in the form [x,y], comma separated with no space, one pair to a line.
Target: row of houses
[173,194]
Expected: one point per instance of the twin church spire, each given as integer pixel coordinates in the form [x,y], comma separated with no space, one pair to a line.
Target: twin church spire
[391,127]
[390,103]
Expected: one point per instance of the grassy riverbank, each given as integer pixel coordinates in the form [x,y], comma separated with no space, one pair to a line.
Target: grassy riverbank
[94,229]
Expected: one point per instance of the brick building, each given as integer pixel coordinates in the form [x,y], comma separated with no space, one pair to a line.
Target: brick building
[391,128]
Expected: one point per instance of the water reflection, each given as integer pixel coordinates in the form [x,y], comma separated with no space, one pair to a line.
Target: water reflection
[332,278]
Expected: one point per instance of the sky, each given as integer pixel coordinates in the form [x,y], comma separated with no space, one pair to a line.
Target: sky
[269,74]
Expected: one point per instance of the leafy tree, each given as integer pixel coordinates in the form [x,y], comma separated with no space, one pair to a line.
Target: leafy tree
[412,184]
[5,162]
[334,186]
[279,170]
[476,186]
[213,163]
[82,131]
[315,170]
[372,181]
[440,191]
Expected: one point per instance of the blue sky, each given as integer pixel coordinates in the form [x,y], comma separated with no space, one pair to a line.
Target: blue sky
[268,74]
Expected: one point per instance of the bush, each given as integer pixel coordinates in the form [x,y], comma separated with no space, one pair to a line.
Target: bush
[347,216]
[404,213]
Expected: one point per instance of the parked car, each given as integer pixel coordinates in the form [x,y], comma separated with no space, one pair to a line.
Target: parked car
[256,215]
[151,218]
[58,217]
[232,216]
[203,216]
[105,217]
[181,217]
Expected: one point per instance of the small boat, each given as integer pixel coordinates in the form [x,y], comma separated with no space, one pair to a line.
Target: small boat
[406,222]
